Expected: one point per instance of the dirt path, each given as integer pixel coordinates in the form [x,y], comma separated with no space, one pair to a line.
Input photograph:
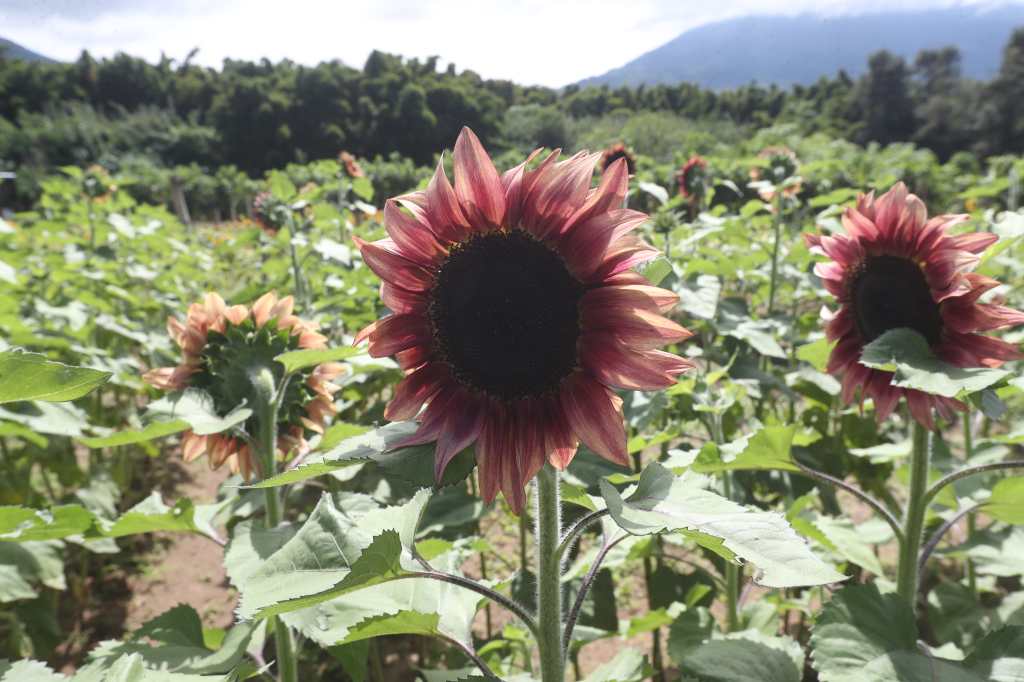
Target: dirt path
[185,569]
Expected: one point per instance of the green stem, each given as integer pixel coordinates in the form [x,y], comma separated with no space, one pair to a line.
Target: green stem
[777,226]
[913,522]
[287,664]
[972,579]
[732,571]
[549,577]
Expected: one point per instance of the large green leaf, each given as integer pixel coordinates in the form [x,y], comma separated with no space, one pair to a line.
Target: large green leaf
[196,407]
[149,516]
[29,376]
[173,642]
[333,553]
[1007,501]
[862,635]
[746,655]
[768,448]
[414,464]
[155,430]
[629,665]
[403,607]
[35,563]
[661,502]
[28,671]
[907,354]
[296,360]
[132,668]
[22,524]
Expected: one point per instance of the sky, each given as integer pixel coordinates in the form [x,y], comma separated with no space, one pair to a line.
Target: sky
[544,42]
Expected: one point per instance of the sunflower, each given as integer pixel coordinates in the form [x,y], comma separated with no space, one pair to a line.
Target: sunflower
[265,213]
[615,152]
[351,166]
[781,164]
[220,346]
[895,268]
[516,313]
[691,178]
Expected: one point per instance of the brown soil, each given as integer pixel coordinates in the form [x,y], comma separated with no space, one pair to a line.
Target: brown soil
[185,569]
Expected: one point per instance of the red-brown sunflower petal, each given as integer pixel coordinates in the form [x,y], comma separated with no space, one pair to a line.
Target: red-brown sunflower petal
[637,327]
[414,240]
[477,184]
[610,194]
[588,245]
[395,333]
[384,259]
[616,364]
[462,426]
[433,419]
[414,390]
[446,216]
[630,296]
[595,415]
[399,300]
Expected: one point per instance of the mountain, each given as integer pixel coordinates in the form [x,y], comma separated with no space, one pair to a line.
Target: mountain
[799,49]
[12,50]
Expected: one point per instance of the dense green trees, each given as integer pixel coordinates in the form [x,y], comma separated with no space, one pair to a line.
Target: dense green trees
[261,115]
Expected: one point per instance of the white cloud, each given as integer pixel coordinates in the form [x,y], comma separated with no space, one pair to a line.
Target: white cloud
[550,42]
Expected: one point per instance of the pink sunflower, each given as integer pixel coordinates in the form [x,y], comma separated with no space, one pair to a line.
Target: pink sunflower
[691,178]
[516,314]
[220,345]
[896,268]
[617,151]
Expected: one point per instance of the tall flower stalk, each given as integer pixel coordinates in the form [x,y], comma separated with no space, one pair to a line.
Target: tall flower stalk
[549,576]
[516,314]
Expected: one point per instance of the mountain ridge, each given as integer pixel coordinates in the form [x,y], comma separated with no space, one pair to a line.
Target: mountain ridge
[13,50]
[799,49]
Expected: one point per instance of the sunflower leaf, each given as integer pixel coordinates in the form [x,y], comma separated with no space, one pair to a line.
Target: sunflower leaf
[411,464]
[663,502]
[196,407]
[152,431]
[906,354]
[30,376]
[297,360]
[1007,501]
[335,552]
[768,448]
[862,635]
[402,607]
[22,524]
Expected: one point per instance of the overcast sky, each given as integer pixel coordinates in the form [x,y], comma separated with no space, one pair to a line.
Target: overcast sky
[548,42]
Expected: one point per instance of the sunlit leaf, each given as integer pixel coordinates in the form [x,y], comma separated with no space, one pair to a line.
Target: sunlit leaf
[662,502]
[29,376]
[907,354]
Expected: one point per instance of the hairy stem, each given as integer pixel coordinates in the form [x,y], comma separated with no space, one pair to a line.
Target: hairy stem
[972,580]
[588,581]
[969,471]
[497,597]
[877,506]
[732,571]
[936,537]
[913,522]
[777,227]
[287,665]
[549,577]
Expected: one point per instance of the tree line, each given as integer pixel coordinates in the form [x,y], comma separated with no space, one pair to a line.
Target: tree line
[262,115]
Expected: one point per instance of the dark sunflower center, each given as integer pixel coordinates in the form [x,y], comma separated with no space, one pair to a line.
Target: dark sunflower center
[505,315]
[891,292]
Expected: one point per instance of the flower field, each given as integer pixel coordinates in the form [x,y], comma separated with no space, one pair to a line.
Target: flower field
[754,414]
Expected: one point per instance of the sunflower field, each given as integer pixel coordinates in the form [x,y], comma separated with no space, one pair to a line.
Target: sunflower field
[751,415]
